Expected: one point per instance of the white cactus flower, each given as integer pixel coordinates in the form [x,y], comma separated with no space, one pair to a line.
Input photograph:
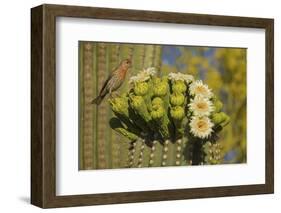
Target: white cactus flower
[180,77]
[144,75]
[201,127]
[201,106]
[197,88]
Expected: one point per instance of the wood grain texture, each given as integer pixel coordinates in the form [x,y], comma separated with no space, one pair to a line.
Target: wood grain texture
[43,105]
[269,119]
[36,106]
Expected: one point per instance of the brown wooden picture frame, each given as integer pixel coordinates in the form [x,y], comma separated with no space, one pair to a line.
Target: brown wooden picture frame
[43,105]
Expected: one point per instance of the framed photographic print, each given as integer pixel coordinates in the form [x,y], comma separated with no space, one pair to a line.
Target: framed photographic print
[137,106]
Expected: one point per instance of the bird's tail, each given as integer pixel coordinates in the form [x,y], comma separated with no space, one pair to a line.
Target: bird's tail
[97,100]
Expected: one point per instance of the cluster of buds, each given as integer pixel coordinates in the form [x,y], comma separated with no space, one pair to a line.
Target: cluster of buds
[167,109]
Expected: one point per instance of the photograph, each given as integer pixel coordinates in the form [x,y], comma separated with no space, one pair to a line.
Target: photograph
[152,105]
[138,105]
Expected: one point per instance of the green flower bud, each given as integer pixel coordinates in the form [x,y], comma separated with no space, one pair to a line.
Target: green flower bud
[218,105]
[219,118]
[119,105]
[179,87]
[177,113]
[157,101]
[157,112]
[137,102]
[177,99]
[141,88]
[160,89]
[157,80]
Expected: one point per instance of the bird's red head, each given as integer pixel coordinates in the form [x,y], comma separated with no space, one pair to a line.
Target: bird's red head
[126,64]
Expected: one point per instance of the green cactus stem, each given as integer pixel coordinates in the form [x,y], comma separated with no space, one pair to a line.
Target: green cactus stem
[165,152]
[212,153]
[131,153]
[152,153]
[141,154]
[178,151]
[197,152]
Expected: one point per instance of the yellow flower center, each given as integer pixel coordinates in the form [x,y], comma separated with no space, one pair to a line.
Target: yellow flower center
[201,89]
[202,105]
[202,125]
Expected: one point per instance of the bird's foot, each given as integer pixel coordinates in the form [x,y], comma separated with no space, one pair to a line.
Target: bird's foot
[117,94]
[114,95]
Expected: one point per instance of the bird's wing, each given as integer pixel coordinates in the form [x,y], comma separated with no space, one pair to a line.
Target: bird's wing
[107,82]
[103,89]
[113,83]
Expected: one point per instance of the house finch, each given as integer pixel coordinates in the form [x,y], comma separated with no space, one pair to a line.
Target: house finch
[114,81]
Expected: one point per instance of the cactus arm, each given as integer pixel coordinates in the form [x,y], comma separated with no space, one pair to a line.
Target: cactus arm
[131,154]
[146,155]
[157,57]
[152,156]
[171,160]
[197,152]
[179,152]
[157,158]
[138,150]
[140,159]
[212,153]
[149,55]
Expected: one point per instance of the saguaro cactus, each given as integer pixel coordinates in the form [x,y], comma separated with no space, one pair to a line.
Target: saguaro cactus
[170,120]
[100,146]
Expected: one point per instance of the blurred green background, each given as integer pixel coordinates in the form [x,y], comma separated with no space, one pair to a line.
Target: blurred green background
[223,69]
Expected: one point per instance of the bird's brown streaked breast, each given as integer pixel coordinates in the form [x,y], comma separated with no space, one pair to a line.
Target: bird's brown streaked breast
[123,74]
